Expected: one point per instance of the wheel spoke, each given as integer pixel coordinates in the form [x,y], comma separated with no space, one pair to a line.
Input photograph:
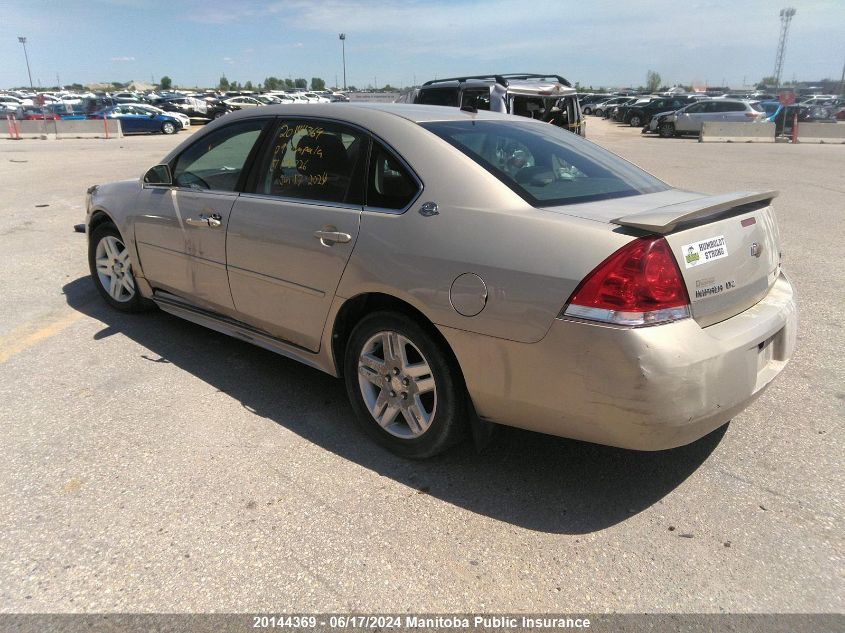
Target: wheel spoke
[414,424]
[371,362]
[128,283]
[417,370]
[418,412]
[425,385]
[373,376]
[109,245]
[383,411]
[114,288]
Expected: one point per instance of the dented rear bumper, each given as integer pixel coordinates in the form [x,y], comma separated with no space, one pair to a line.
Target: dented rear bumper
[649,388]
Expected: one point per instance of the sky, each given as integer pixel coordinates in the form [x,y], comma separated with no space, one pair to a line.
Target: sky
[594,42]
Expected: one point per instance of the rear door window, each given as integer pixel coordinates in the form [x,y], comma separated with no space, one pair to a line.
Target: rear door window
[474,98]
[309,159]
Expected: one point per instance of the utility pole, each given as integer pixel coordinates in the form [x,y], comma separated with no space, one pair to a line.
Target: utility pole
[22,40]
[842,81]
[785,18]
[342,38]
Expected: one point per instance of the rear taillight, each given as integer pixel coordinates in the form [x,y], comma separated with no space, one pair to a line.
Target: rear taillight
[640,284]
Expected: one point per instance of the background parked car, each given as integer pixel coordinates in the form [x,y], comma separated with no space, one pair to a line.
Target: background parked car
[640,114]
[688,120]
[134,120]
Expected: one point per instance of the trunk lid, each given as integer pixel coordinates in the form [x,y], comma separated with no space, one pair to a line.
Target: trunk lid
[727,248]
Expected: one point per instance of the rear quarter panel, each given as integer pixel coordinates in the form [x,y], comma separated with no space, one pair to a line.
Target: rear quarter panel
[530,259]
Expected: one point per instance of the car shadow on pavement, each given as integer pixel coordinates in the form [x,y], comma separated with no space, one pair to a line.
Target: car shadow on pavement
[534,481]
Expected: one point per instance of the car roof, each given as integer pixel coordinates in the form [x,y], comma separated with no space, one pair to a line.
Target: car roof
[357,112]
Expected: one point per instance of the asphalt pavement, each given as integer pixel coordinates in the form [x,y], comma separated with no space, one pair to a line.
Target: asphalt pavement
[149,464]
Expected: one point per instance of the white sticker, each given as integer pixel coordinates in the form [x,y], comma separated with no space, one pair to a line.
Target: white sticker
[704,251]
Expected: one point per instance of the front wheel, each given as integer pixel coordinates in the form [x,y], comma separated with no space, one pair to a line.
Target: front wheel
[635,120]
[597,112]
[111,270]
[667,130]
[168,128]
[403,385]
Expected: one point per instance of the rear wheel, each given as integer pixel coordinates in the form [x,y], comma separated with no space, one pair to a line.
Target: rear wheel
[587,110]
[598,112]
[403,386]
[168,128]
[635,120]
[667,130]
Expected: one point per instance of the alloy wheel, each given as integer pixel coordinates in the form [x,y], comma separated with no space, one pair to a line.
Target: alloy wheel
[114,269]
[397,385]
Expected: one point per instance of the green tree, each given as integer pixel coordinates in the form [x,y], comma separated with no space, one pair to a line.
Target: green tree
[223,84]
[248,86]
[317,83]
[288,84]
[234,85]
[652,80]
[272,83]
[300,82]
[166,83]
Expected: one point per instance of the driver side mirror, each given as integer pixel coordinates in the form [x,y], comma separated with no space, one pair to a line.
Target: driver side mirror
[158,175]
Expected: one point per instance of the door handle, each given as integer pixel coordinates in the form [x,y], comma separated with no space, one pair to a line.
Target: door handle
[331,237]
[212,220]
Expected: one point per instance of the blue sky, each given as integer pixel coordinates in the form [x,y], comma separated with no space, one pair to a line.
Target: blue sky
[592,41]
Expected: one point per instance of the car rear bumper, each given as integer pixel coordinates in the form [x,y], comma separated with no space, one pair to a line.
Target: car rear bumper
[648,388]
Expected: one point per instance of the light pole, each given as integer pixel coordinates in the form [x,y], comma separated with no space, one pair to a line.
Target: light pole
[342,38]
[22,40]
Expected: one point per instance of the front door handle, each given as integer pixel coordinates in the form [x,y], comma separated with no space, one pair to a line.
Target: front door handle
[331,236]
[212,220]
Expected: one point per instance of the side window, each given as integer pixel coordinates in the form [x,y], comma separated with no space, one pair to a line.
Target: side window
[389,185]
[217,159]
[478,99]
[438,96]
[314,160]
[695,109]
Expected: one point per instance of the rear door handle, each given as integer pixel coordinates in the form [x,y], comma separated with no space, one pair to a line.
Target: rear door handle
[329,238]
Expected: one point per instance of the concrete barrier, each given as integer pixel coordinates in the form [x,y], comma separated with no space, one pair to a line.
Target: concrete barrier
[736,132]
[93,128]
[821,133]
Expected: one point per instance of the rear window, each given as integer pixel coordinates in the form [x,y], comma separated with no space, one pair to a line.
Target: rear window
[545,165]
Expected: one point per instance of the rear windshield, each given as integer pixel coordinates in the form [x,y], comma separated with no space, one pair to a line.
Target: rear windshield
[544,164]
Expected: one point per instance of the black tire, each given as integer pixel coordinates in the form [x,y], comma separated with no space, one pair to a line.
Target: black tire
[448,420]
[168,128]
[217,115]
[667,130]
[635,121]
[133,303]
[597,112]
[586,110]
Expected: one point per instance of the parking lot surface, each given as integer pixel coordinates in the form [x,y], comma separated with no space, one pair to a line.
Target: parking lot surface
[152,465]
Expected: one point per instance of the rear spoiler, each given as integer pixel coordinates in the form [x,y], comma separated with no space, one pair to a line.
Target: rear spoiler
[663,220]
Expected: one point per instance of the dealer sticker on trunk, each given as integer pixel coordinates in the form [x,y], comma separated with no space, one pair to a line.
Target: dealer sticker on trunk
[704,251]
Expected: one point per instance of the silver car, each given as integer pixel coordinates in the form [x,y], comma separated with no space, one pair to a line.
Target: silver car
[688,120]
[458,268]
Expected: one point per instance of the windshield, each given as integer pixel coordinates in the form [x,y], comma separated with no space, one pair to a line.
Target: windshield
[545,165]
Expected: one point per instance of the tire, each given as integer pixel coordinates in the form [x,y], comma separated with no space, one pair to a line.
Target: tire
[667,130]
[427,411]
[108,259]
[587,110]
[217,115]
[635,120]
[597,112]
[168,128]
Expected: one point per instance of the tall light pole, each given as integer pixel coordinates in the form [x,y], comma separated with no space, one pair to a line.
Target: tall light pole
[785,18]
[22,40]
[342,38]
